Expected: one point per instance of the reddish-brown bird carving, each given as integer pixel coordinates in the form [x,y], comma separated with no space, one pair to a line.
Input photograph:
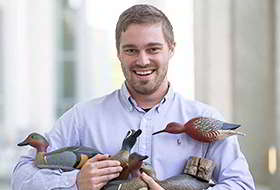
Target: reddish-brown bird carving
[203,129]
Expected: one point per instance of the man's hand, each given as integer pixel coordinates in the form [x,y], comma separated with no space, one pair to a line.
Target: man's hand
[97,171]
[150,182]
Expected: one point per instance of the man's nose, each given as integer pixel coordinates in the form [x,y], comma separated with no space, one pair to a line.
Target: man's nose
[143,58]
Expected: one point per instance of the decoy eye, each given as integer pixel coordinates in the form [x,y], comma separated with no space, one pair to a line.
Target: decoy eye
[129,133]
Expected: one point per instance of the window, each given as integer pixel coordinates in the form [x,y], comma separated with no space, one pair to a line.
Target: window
[66,59]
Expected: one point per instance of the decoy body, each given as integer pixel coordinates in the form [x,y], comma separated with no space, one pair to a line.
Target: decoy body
[203,129]
[180,182]
[67,158]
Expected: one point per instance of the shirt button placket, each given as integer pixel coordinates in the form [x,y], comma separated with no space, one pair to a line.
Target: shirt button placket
[145,138]
[142,139]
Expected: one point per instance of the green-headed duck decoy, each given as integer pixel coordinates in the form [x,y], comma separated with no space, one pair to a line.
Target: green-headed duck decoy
[67,158]
[203,129]
[123,155]
[75,157]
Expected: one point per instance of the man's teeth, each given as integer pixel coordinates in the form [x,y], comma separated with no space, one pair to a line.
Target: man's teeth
[143,72]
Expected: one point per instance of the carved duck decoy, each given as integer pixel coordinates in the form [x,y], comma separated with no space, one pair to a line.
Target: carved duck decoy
[68,158]
[203,129]
[135,168]
[123,155]
[74,157]
[180,182]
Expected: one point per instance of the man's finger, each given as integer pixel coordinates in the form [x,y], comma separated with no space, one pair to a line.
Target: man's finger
[99,157]
[105,178]
[106,164]
[151,182]
[110,170]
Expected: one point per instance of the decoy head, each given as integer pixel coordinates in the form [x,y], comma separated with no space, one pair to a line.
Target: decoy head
[37,141]
[130,139]
[173,127]
[135,161]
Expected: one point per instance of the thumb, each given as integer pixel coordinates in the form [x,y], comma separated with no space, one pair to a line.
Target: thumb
[151,182]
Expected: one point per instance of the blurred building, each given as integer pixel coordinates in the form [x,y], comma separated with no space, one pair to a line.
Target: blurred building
[54,53]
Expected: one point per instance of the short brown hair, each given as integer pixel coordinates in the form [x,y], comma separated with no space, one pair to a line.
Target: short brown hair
[144,14]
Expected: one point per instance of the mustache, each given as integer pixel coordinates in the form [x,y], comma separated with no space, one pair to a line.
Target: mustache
[147,66]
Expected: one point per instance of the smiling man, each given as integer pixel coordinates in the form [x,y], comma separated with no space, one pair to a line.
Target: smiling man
[146,101]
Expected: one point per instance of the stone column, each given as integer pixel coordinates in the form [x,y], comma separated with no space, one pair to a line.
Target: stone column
[277,90]
[254,81]
[212,33]
[235,72]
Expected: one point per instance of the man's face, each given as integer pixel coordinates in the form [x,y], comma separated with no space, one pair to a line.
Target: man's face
[144,55]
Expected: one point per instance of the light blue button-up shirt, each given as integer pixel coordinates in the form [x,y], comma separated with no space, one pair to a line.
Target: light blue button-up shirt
[103,123]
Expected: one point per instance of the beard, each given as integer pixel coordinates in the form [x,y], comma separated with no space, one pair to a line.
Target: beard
[145,87]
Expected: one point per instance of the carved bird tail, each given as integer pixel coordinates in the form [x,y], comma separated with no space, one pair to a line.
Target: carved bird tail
[228,133]
[230,126]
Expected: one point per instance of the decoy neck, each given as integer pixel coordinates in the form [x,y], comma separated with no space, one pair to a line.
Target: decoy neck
[123,155]
[37,141]
[130,139]
[173,127]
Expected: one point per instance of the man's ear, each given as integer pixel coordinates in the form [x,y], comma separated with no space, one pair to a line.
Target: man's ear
[171,49]
[171,52]
[118,55]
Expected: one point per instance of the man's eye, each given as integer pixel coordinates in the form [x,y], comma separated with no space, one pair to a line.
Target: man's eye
[154,50]
[130,51]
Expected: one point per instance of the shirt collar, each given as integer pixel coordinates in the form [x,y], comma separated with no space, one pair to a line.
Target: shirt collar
[125,97]
[130,103]
[166,99]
